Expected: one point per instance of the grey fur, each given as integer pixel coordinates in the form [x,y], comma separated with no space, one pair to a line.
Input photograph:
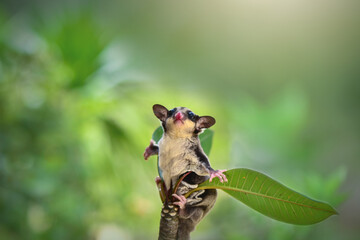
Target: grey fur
[197,206]
[176,157]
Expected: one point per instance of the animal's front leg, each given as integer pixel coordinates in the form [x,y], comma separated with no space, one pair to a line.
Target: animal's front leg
[204,170]
[152,149]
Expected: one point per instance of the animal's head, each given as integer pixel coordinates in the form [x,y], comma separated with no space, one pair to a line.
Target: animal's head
[182,122]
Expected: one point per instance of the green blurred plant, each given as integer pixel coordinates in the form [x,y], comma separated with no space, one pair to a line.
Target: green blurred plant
[72,131]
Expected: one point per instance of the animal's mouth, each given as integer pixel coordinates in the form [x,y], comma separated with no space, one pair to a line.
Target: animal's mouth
[178,121]
[179,118]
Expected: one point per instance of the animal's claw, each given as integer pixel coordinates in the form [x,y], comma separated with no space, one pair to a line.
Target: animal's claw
[219,174]
[182,201]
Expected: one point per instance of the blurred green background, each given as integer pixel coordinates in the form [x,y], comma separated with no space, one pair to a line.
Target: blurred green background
[78,80]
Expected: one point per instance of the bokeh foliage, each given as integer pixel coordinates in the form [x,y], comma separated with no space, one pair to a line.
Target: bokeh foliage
[78,79]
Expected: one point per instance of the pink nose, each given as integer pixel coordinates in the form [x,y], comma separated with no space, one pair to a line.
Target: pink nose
[179,116]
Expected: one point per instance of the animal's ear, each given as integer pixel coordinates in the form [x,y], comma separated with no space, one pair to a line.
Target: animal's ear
[160,112]
[205,122]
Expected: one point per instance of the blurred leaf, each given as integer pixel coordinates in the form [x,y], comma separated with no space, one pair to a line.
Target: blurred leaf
[326,187]
[270,198]
[116,134]
[80,41]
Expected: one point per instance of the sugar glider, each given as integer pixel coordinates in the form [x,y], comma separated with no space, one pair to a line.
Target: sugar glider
[180,152]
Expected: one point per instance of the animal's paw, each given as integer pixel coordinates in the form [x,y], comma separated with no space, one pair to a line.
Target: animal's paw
[150,150]
[182,201]
[158,180]
[219,174]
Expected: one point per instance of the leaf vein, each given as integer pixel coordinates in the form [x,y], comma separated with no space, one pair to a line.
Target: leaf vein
[262,195]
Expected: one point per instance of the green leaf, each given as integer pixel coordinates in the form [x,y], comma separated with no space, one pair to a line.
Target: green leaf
[157,134]
[270,197]
[205,138]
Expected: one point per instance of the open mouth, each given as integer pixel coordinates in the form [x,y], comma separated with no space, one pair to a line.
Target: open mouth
[179,118]
[178,121]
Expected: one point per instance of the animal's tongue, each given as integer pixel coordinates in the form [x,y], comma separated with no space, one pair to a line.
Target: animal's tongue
[179,116]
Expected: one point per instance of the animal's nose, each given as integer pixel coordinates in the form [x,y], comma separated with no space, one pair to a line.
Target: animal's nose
[179,116]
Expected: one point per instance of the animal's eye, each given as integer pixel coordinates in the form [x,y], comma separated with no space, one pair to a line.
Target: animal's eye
[191,115]
[171,112]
